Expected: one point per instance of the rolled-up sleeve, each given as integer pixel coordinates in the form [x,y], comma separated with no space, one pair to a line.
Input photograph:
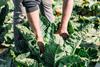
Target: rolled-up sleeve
[30,5]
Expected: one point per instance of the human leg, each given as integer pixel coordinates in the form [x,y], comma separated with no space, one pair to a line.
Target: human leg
[19,14]
[19,11]
[46,8]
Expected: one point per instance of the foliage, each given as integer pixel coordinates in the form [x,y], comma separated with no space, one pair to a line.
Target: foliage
[80,49]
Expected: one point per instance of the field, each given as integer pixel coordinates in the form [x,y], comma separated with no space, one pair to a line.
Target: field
[80,49]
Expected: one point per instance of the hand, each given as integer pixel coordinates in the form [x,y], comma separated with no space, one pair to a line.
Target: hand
[62,32]
[41,47]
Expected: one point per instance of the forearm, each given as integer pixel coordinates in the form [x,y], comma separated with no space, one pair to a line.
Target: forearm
[32,10]
[67,10]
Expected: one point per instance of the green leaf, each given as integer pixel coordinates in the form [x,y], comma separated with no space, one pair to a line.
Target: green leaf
[3,2]
[25,60]
[71,61]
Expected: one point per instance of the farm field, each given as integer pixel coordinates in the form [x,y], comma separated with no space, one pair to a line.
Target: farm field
[80,49]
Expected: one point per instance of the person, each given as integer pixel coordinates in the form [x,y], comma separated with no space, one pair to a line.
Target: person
[45,8]
[20,14]
[32,11]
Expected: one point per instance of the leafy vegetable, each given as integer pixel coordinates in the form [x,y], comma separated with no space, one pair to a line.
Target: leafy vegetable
[80,49]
